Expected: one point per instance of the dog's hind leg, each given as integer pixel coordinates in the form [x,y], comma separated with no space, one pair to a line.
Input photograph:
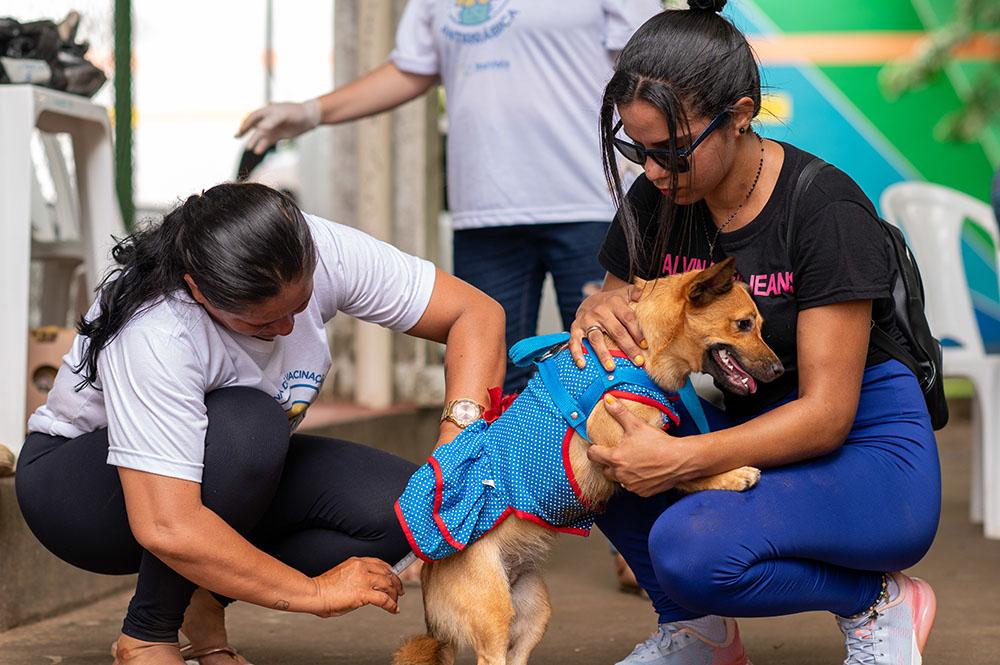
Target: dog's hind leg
[467,600]
[532,610]
[489,618]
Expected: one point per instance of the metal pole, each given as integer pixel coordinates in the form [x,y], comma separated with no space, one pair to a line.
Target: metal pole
[269,53]
[123,110]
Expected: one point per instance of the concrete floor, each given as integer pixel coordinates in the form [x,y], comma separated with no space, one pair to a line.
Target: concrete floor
[592,622]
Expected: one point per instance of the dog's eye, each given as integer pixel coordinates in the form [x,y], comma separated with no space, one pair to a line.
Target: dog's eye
[744,325]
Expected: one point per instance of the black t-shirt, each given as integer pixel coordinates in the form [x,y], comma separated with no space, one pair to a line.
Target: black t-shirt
[838,253]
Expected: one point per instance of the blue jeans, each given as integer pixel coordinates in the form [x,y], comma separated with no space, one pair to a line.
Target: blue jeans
[814,535]
[509,264]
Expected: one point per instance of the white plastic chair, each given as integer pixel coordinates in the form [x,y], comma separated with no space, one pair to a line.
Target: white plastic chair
[89,209]
[932,217]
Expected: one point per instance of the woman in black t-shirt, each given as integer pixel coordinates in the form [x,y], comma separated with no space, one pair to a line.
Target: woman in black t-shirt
[851,488]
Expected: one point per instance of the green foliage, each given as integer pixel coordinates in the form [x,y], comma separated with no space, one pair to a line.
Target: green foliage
[982,103]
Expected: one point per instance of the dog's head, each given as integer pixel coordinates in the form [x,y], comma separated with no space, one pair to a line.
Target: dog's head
[704,321]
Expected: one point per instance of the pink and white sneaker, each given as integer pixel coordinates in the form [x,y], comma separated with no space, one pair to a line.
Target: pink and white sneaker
[682,644]
[896,631]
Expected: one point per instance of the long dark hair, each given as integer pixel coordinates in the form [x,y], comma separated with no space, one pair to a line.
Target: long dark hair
[680,61]
[241,243]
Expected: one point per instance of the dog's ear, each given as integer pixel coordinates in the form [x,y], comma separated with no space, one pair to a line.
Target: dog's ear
[711,283]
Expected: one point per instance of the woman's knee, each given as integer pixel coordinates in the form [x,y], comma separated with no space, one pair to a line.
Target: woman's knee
[247,433]
[245,448]
[695,560]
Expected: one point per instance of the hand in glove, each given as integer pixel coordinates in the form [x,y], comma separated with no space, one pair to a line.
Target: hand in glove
[284,120]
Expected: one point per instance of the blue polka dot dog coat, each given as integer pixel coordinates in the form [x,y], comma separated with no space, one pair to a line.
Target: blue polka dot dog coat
[519,464]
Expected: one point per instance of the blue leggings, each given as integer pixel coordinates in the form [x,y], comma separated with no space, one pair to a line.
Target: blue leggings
[814,535]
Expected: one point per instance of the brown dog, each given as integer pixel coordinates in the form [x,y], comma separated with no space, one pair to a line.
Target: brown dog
[491,595]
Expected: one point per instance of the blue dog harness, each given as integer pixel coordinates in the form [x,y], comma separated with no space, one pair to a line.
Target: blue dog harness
[519,464]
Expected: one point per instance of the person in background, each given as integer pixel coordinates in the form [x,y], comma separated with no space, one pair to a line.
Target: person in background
[526,190]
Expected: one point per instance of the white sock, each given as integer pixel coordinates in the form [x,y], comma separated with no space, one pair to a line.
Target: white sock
[713,627]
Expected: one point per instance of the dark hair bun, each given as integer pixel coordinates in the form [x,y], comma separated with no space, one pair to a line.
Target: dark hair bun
[707,5]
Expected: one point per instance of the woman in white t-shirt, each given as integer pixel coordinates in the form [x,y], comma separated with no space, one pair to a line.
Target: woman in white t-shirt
[165,447]
[526,189]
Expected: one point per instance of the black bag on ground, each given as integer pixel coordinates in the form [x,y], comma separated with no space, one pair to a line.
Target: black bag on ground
[922,351]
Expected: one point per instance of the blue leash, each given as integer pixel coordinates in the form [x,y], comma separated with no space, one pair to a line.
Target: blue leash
[692,404]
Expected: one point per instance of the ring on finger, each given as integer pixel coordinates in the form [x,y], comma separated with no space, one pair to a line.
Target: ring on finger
[589,329]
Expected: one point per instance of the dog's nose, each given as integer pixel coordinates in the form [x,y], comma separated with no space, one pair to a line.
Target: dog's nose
[777,368]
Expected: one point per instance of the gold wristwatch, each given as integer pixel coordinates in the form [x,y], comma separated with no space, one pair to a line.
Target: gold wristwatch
[462,412]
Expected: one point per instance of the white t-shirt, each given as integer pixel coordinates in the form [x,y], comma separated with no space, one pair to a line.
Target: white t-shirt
[524,81]
[154,375]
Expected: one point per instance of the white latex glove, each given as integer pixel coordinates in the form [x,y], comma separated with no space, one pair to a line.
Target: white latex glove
[284,120]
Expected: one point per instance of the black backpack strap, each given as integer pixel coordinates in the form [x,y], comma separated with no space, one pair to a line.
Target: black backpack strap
[928,368]
[881,339]
[806,177]
[887,343]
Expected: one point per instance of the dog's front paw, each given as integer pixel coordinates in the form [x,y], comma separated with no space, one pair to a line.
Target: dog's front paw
[742,478]
[736,480]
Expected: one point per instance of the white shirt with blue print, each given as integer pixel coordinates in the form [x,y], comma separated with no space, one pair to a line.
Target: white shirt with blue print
[524,80]
[153,377]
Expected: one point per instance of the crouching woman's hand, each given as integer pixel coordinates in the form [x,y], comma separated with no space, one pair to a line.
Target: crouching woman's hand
[357,582]
[168,519]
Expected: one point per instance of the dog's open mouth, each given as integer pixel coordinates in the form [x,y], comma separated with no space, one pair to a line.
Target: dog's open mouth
[732,373]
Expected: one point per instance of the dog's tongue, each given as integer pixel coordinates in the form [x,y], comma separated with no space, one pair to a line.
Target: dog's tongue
[739,373]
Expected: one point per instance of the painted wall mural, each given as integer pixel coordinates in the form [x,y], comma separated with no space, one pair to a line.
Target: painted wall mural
[821,63]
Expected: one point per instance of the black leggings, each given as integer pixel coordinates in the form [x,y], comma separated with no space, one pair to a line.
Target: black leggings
[310,501]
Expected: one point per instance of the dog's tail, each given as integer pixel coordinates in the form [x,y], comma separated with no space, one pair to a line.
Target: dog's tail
[424,650]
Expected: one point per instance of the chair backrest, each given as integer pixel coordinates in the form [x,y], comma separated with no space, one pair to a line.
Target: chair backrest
[954,240]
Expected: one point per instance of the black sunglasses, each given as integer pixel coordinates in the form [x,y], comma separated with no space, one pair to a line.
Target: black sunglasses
[678,162]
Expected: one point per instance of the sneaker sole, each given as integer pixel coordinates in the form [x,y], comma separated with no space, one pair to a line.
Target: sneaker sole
[745,660]
[924,610]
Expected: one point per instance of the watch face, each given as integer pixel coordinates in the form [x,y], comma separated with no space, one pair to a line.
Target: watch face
[465,411]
